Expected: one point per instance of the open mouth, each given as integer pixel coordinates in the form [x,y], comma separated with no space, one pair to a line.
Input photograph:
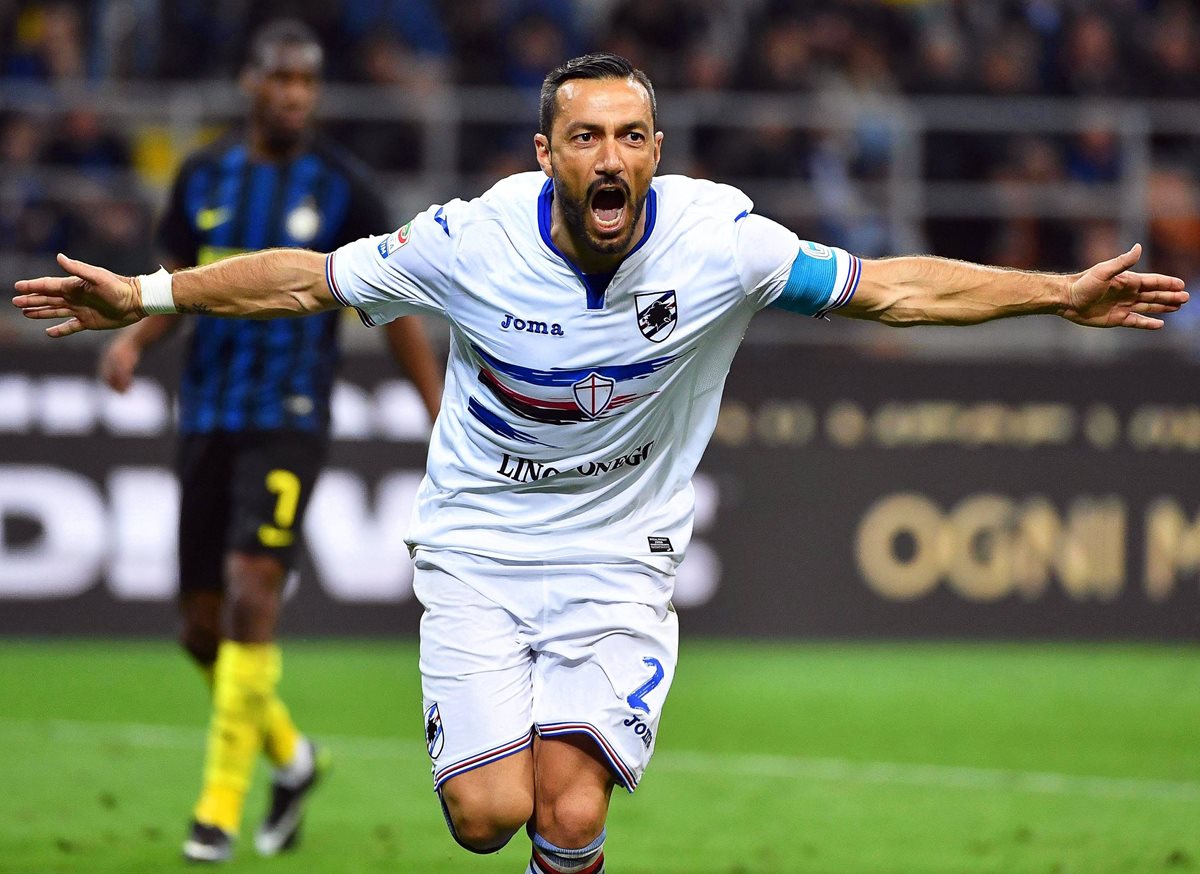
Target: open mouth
[608,208]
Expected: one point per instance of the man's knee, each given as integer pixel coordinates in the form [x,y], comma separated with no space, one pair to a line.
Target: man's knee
[573,818]
[200,643]
[574,784]
[484,821]
[201,632]
[255,585]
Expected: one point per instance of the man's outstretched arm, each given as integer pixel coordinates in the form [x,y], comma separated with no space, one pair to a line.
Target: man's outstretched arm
[262,285]
[938,291]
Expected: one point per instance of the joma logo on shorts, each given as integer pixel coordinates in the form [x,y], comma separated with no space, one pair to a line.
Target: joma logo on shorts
[640,729]
[530,326]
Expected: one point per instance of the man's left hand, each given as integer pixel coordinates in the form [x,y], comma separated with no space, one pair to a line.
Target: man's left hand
[1110,295]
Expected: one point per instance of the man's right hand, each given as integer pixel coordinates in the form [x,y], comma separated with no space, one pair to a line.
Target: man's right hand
[91,298]
[118,361]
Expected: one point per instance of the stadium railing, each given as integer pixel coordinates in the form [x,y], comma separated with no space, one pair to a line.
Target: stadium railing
[897,197]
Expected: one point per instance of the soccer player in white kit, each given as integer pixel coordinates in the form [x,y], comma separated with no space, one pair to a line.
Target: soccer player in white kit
[594,312]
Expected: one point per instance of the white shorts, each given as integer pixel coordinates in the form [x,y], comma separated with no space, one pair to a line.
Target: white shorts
[509,649]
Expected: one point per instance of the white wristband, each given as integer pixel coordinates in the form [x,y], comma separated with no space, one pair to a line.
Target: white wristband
[157,299]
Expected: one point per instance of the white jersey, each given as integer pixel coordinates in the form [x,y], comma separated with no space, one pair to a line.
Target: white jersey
[575,413]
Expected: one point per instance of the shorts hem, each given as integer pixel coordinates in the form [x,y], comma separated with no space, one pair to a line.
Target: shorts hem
[470,763]
[625,775]
[663,563]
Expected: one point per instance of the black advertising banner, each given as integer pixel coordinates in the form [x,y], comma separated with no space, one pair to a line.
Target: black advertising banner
[840,497]
[934,499]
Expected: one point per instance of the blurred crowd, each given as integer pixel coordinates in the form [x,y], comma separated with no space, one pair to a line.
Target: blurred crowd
[868,51]
[1071,47]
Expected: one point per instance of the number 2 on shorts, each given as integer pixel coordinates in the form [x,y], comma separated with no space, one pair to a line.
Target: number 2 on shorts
[635,697]
[285,485]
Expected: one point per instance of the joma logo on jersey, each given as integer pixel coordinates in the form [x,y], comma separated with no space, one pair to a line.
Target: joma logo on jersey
[531,326]
[526,470]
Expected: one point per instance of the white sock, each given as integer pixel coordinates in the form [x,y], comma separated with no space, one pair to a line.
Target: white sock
[300,768]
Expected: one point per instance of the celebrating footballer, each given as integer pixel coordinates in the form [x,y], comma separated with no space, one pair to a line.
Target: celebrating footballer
[594,311]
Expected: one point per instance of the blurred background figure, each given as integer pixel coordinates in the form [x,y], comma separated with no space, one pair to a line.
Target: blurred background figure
[48,43]
[254,411]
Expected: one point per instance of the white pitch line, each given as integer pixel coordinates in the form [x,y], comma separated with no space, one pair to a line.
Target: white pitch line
[940,776]
[154,736]
[181,737]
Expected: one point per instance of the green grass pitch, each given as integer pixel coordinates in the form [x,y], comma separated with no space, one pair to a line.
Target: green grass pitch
[772,759]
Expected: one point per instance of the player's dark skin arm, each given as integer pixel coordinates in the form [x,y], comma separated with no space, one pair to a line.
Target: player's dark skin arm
[121,357]
[938,291]
[410,349]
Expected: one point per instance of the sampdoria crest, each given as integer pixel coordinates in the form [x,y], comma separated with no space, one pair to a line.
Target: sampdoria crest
[435,738]
[657,313]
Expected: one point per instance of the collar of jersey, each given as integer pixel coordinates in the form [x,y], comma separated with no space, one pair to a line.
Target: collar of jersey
[596,284]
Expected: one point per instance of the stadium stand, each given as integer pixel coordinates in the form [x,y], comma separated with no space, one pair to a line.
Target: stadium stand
[1027,134]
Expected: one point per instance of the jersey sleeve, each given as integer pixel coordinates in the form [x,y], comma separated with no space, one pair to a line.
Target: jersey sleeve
[779,269]
[407,271]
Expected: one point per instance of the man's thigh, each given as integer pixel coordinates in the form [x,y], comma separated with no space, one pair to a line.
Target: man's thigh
[204,465]
[271,482]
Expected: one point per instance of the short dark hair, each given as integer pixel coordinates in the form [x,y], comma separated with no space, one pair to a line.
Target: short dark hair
[598,65]
[290,32]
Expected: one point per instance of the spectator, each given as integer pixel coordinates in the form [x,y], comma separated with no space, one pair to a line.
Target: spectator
[1090,63]
[1008,65]
[475,28]
[1173,205]
[394,143]
[196,41]
[49,44]
[669,29]
[941,66]
[779,58]
[536,45]
[416,23]
[82,143]
[1171,69]
[113,227]
[28,220]
[1094,154]
[1022,238]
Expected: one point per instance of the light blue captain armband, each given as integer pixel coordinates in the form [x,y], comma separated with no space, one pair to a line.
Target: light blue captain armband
[815,284]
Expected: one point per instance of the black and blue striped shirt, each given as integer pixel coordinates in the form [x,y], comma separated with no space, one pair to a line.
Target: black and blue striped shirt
[244,375]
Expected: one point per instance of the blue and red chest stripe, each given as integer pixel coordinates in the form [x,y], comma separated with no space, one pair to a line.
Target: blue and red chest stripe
[550,396]
[566,377]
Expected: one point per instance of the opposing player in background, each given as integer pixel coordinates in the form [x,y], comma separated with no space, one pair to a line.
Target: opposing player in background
[594,313]
[254,416]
